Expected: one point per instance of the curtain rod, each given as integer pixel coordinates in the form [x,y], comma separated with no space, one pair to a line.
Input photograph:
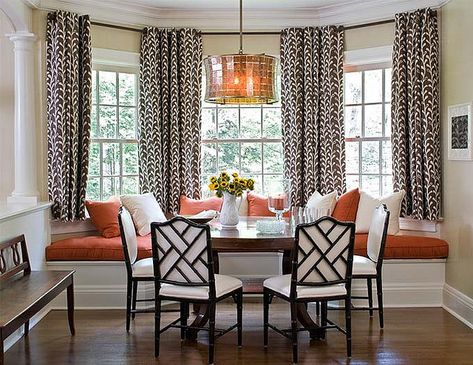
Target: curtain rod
[245,33]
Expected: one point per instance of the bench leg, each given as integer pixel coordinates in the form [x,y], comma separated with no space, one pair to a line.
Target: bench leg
[70,308]
[27,327]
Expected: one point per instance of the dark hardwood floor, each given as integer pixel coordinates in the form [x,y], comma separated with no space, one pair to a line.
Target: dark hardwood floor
[411,336]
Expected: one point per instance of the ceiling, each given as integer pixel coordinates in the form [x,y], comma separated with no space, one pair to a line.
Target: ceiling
[223,14]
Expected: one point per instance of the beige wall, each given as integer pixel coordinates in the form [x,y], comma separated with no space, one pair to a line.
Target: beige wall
[7,109]
[367,37]
[457,88]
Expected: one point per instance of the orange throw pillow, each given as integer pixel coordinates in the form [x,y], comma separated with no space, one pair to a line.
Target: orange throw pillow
[347,206]
[258,206]
[188,206]
[104,216]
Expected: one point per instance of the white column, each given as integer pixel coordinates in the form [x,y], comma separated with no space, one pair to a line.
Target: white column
[26,181]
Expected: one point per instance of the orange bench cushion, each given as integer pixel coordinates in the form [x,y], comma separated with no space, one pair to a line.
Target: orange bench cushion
[94,248]
[407,247]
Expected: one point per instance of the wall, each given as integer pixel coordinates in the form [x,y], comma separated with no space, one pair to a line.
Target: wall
[456,88]
[7,108]
[367,37]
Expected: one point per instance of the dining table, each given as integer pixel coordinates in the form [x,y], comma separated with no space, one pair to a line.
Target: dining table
[245,238]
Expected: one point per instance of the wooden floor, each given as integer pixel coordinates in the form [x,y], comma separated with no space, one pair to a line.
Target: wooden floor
[411,336]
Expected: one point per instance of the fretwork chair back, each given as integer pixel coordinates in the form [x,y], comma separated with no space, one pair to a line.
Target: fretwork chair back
[137,270]
[321,271]
[371,267]
[184,272]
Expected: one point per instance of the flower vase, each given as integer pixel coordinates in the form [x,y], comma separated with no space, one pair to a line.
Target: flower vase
[229,217]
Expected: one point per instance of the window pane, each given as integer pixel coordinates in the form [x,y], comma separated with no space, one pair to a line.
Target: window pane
[250,122]
[374,86]
[387,120]
[273,157]
[94,86]
[107,87]
[272,123]
[353,121]
[227,123]
[111,159]
[94,159]
[352,156]
[208,124]
[273,183]
[258,183]
[373,120]
[250,158]
[387,185]
[127,91]
[130,158]
[94,127]
[353,181]
[228,157]
[370,184]
[353,88]
[111,187]
[387,85]
[108,121]
[93,188]
[370,157]
[130,185]
[209,158]
[387,157]
[127,123]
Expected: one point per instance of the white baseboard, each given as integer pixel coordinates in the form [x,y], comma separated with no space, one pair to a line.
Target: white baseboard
[458,304]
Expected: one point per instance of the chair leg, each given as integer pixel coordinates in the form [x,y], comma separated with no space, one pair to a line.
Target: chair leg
[294,332]
[128,304]
[240,316]
[323,319]
[133,303]
[379,289]
[211,332]
[157,325]
[27,328]
[348,324]
[370,295]
[317,309]
[184,316]
[265,316]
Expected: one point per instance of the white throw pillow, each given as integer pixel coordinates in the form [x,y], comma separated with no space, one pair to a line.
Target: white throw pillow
[326,202]
[367,206]
[144,209]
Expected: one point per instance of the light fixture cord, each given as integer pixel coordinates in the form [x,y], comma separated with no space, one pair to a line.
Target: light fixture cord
[241,27]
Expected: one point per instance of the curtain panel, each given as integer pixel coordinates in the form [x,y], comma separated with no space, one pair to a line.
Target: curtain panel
[69,97]
[169,114]
[415,113]
[312,110]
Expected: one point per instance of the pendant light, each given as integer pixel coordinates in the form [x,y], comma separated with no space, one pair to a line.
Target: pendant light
[241,78]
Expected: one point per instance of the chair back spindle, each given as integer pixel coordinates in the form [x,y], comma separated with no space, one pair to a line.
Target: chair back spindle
[14,258]
[128,235]
[377,234]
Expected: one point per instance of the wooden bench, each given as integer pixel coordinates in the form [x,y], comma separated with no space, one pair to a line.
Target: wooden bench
[23,293]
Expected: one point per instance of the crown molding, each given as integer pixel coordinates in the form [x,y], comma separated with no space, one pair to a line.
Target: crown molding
[136,14]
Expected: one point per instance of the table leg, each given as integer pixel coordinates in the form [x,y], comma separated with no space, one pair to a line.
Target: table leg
[199,321]
[70,308]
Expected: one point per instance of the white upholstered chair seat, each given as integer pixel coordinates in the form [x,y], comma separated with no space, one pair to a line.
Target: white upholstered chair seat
[143,268]
[223,285]
[282,284]
[363,266]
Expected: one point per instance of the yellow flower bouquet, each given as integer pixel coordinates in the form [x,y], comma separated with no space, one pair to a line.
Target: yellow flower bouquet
[234,184]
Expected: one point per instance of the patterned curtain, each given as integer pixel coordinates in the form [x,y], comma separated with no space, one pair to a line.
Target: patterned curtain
[312,110]
[415,113]
[69,97]
[170,89]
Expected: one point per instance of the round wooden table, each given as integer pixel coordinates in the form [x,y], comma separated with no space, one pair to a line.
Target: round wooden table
[245,238]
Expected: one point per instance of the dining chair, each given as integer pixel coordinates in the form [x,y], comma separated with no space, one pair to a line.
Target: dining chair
[371,267]
[321,271]
[184,272]
[137,270]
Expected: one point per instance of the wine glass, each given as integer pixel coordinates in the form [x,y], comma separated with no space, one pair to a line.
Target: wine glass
[279,197]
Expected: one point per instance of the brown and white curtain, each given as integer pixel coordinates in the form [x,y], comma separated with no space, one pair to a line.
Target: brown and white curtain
[312,110]
[169,120]
[69,85]
[415,113]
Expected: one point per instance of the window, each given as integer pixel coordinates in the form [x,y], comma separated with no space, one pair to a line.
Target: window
[113,156]
[368,130]
[242,138]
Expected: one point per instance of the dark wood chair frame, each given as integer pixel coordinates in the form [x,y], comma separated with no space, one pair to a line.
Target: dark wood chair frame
[132,282]
[63,280]
[325,323]
[212,300]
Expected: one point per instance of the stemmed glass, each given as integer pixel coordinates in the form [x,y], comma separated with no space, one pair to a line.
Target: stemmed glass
[279,197]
